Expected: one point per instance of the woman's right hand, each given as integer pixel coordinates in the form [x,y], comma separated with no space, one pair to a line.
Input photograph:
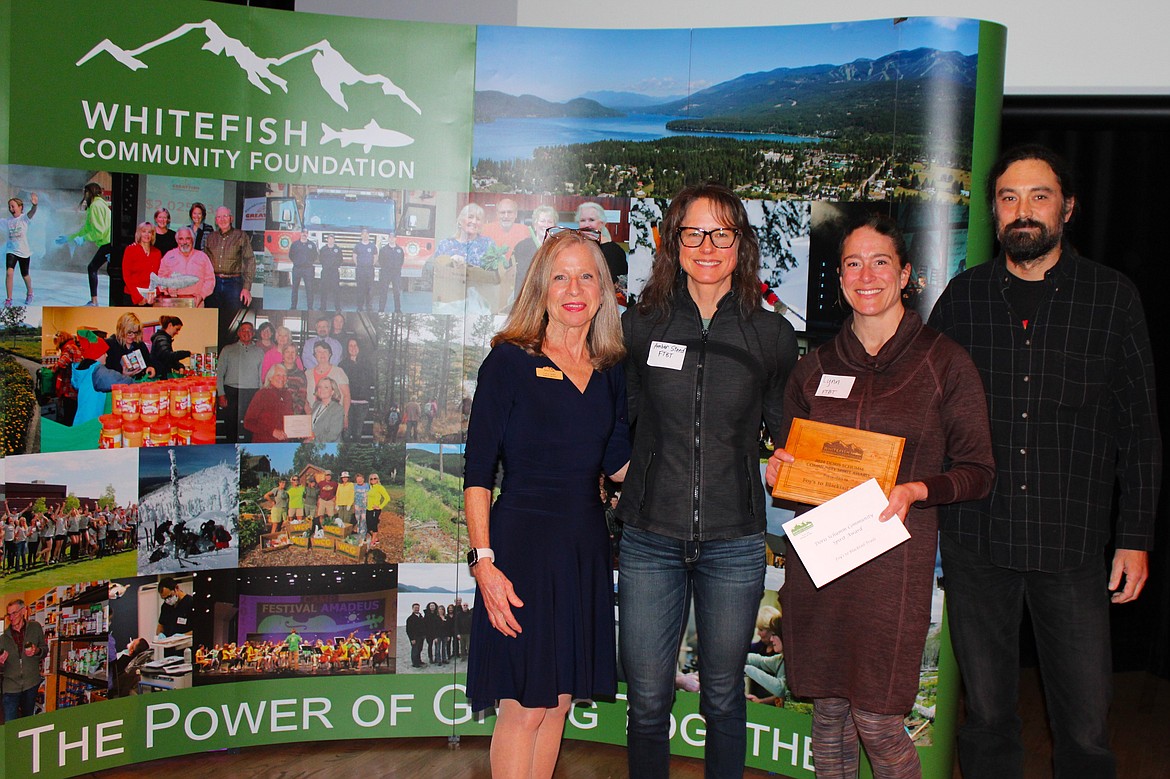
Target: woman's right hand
[498,597]
[778,457]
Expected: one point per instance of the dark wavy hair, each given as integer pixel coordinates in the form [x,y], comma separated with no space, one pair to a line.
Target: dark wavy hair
[658,295]
[1032,151]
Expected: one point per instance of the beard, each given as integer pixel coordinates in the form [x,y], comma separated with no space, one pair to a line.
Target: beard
[1026,247]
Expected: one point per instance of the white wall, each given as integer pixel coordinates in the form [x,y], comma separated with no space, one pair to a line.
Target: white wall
[1054,46]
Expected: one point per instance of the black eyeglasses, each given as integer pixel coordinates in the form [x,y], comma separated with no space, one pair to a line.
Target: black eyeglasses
[592,235]
[721,237]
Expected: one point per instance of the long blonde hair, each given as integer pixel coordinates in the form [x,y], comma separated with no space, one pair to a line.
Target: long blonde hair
[528,321]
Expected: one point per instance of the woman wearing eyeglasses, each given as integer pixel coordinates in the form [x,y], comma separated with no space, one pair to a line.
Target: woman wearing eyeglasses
[705,363]
[125,350]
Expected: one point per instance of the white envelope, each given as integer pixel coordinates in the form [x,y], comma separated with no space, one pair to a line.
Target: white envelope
[844,533]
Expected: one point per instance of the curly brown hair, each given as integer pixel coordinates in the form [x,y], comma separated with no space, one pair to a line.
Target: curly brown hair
[658,295]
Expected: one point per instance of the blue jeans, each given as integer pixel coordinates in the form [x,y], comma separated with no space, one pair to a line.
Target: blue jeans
[227,293]
[658,576]
[20,704]
[226,298]
[1070,617]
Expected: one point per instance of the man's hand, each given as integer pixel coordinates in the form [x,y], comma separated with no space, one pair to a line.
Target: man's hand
[1134,566]
[246,297]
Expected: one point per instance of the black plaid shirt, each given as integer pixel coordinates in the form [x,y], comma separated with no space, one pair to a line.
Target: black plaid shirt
[1072,408]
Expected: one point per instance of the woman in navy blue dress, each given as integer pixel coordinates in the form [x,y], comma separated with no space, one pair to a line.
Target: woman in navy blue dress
[550,406]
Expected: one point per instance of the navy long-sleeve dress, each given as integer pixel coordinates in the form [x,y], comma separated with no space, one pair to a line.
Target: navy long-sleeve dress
[547,527]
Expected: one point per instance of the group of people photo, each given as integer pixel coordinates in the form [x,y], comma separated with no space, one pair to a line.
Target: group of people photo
[438,635]
[1025,399]
[297,655]
[1018,418]
[275,385]
[318,501]
[191,265]
[316,504]
[88,360]
[511,237]
[204,257]
[41,535]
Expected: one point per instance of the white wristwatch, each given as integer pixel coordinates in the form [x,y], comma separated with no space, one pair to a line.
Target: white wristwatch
[482,553]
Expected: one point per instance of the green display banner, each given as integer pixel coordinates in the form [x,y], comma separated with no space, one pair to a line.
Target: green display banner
[222,92]
[423,136]
[149,727]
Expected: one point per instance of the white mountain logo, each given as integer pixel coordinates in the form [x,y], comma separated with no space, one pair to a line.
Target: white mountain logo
[332,69]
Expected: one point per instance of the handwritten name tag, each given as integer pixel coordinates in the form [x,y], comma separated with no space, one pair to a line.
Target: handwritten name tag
[548,372]
[666,355]
[835,386]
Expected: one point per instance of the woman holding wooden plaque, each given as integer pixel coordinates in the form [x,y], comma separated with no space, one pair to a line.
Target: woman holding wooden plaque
[855,645]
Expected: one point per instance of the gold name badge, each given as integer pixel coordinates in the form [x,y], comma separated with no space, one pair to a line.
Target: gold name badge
[548,372]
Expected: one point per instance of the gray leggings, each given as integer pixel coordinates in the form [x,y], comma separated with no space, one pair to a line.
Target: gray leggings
[836,727]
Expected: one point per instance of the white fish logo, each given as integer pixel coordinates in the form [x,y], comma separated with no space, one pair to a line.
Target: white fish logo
[367,137]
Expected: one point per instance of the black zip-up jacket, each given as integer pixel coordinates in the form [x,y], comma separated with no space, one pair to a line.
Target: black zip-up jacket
[695,470]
